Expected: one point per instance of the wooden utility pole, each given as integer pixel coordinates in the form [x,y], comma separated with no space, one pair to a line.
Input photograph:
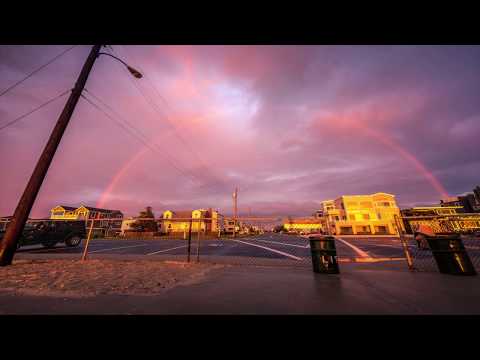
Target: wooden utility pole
[235,195]
[15,229]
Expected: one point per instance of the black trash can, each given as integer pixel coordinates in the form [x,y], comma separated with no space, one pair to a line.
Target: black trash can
[450,255]
[324,255]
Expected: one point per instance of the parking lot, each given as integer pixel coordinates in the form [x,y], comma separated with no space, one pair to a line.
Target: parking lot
[265,246]
[269,248]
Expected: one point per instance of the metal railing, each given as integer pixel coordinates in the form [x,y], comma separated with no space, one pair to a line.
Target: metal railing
[418,254]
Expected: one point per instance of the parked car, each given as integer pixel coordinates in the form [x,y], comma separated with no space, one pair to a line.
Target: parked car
[48,233]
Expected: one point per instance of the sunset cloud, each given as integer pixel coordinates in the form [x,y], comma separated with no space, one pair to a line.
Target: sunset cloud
[289,125]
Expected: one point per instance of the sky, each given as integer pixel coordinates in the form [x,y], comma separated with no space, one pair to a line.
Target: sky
[290,126]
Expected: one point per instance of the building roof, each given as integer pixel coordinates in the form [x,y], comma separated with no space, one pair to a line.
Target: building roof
[364,195]
[434,207]
[301,220]
[89,208]
[101,210]
[68,208]
[186,214]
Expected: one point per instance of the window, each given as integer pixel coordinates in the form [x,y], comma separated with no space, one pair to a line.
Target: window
[337,218]
[362,230]
[346,230]
[379,216]
[381,229]
[352,217]
[366,217]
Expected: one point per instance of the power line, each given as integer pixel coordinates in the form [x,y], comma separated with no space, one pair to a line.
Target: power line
[156,108]
[36,71]
[32,111]
[143,137]
[139,138]
[116,113]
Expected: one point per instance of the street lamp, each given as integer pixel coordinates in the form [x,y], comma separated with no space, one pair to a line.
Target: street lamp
[8,245]
[133,71]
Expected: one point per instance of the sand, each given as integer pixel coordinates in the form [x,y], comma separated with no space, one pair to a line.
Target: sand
[74,278]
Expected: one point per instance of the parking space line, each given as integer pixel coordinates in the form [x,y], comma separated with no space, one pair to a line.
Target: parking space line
[47,249]
[270,249]
[160,251]
[385,245]
[276,242]
[117,248]
[44,249]
[356,249]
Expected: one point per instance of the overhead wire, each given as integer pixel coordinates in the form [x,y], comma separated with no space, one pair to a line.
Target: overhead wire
[156,108]
[139,138]
[138,131]
[10,123]
[138,134]
[11,87]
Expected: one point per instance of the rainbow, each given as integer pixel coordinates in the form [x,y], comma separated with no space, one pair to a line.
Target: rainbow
[124,169]
[404,153]
[381,137]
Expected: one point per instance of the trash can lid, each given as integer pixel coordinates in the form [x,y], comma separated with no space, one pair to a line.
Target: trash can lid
[321,237]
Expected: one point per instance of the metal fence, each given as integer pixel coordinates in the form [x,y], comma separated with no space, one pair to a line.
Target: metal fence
[194,240]
[423,259]
[418,254]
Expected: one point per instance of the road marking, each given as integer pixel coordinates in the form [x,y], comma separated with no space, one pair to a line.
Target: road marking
[368,260]
[276,242]
[356,249]
[160,251]
[48,249]
[385,245]
[270,249]
[373,260]
[116,248]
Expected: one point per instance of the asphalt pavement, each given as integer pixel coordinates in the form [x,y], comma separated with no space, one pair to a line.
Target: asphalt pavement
[373,279]
[259,249]
[280,290]
[266,246]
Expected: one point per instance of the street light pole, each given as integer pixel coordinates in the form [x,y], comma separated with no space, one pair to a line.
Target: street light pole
[235,194]
[14,230]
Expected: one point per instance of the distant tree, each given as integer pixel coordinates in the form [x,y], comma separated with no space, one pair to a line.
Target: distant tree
[148,213]
[145,225]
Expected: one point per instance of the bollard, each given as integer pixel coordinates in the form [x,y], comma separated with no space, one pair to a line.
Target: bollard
[324,255]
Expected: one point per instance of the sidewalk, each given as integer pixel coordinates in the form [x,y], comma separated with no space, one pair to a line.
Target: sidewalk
[359,289]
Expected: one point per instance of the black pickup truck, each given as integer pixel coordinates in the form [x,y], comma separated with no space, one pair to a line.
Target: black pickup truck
[51,232]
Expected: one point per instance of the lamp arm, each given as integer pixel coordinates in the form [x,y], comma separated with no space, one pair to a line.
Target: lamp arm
[123,62]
